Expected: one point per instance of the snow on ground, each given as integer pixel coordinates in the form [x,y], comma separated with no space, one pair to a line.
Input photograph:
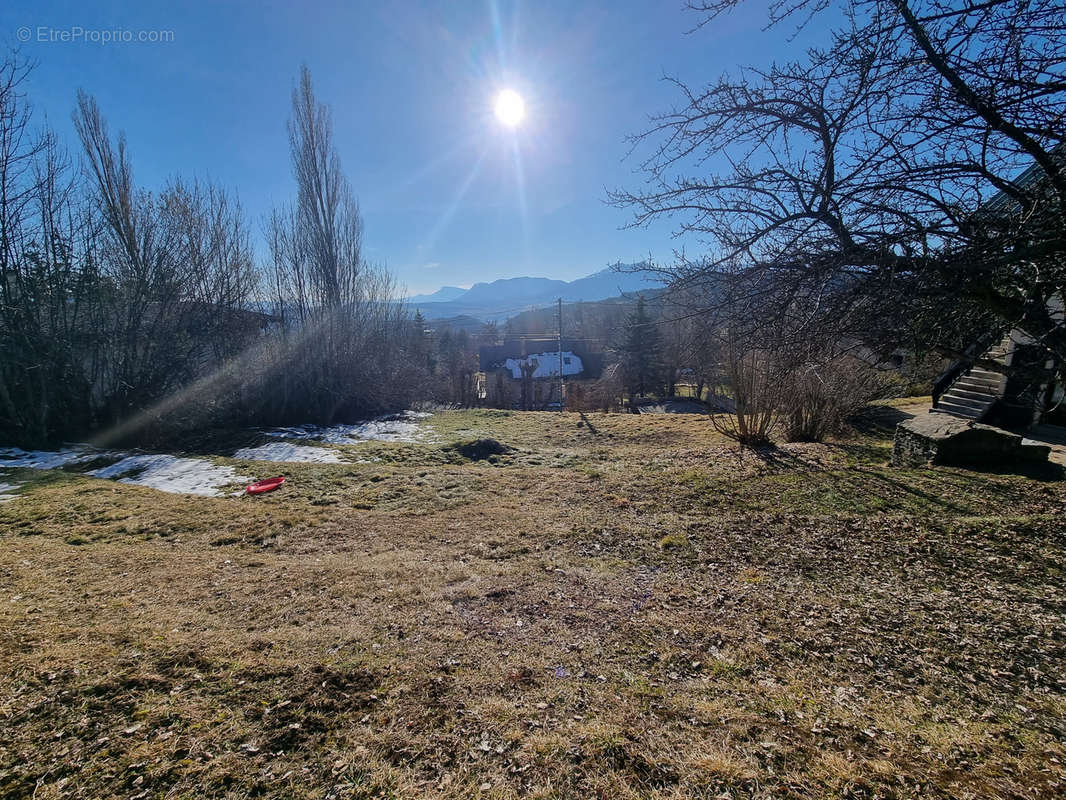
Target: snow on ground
[283,451]
[164,472]
[173,474]
[44,459]
[403,427]
[6,490]
[198,476]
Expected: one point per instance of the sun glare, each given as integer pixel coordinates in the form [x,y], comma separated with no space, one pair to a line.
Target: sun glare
[510,108]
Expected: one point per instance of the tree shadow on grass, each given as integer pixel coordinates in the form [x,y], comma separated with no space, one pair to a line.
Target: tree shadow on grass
[949,489]
[1043,471]
[878,420]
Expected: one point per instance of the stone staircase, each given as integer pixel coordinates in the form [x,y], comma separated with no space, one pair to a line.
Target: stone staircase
[976,390]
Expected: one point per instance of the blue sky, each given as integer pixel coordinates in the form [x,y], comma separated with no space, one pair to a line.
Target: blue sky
[449,196]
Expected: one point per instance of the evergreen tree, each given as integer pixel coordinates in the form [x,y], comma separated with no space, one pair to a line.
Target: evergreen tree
[641,353]
[420,344]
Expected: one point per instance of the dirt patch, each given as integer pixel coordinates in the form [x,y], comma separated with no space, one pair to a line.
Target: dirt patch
[480,449]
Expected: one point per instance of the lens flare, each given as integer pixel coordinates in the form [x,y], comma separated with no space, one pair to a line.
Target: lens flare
[510,108]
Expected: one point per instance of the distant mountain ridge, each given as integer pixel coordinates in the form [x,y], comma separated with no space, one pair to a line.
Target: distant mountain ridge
[499,299]
[442,295]
[611,282]
[510,290]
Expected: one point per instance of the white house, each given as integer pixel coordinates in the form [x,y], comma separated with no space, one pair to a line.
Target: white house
[547,364]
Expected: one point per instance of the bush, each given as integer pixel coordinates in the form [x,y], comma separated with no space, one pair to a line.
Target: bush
[807,398]
[816,400]
[753,378]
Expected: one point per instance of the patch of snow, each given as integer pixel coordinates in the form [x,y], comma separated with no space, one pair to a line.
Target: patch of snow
[394,428]
[282,451]
[5,491]
[173,474]
[46,459]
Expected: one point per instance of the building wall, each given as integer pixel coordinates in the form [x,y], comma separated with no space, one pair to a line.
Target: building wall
[547,364]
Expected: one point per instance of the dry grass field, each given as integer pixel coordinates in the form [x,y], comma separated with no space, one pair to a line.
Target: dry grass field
[622,609]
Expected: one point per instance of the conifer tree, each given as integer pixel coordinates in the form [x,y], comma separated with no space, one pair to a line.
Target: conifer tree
[641,353]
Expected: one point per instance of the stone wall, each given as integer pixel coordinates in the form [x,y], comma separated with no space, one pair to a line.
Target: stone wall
[943,439]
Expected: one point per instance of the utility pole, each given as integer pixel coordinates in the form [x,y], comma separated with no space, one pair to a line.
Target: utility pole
[562,383]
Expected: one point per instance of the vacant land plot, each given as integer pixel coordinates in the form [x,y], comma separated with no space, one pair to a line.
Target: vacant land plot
[627,608]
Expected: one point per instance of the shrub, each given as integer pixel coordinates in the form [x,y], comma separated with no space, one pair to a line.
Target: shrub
[816,400]
[752,409]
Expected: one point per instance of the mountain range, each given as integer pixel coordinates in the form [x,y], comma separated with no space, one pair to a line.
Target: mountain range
[500,299]
[442,295]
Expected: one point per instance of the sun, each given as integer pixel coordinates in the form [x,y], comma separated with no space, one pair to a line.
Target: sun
[510,108]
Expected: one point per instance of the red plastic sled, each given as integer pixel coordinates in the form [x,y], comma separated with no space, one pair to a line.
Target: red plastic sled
[269,485]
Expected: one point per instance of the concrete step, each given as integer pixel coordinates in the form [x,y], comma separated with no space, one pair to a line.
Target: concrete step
[981,393]
[978,380]
[976,387]
[967,402]
[957,410]
[987,374]
[984,393]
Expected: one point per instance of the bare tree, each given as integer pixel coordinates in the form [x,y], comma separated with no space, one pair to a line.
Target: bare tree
[342,334]
[180,272]
[48,279]
[140,314]
[327,215]
[753,378]
[910,173]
